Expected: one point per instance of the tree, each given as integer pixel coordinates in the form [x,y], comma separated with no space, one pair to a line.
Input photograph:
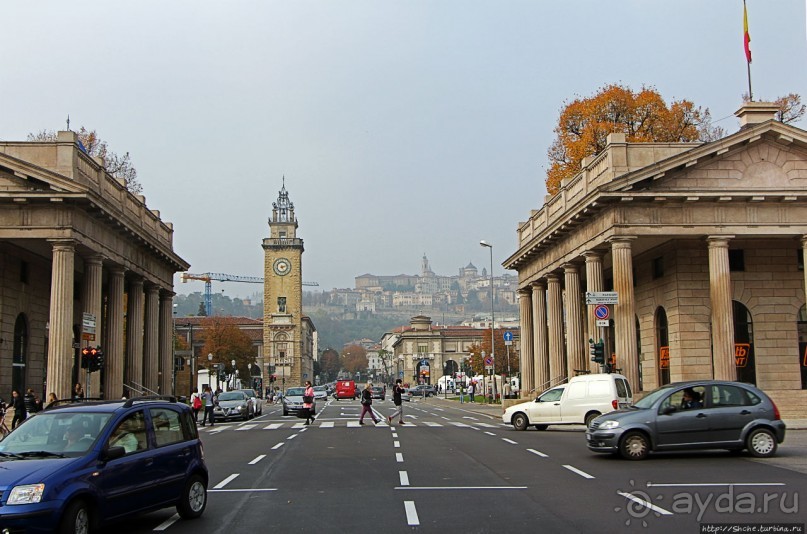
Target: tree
[226,342]
[584,125]
[202,310]
[117,166]
[329,363]
[354,359]
[500,361]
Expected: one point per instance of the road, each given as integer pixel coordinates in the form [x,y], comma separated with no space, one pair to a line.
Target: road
[455,470]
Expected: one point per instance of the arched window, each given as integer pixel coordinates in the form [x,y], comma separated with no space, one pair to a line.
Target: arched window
[20,354]
[801,324]
[744,344]
[662,346]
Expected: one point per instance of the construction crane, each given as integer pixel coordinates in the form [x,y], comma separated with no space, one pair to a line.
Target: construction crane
[208,278]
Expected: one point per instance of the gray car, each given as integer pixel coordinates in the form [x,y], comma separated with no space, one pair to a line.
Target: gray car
[293,401]
[257,402]
[233,405]
[704,414]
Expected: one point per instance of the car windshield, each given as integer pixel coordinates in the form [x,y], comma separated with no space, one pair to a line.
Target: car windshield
[650,399]
[320,388]
[376,388]
[231,396]
[54,434]
[249,393]
[295,392]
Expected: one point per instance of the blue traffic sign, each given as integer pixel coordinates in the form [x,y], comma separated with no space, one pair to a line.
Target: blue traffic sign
[601,311]
[508,336]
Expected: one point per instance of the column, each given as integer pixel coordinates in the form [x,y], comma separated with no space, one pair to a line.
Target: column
[594,282]
[625,311]
[61,354]
[557,367]
[725,368]
[151,340]
[113,345]
[167,346]
[91,303]
[540,337]
[575,343]
[804,260]
[526,343]
[134,339]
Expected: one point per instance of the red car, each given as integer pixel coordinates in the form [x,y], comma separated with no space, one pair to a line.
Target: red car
[345,389]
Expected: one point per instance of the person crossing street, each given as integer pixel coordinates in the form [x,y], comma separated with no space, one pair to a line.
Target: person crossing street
[397,391]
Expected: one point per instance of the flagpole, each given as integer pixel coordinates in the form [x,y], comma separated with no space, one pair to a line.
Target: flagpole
[747,39]
[750,93]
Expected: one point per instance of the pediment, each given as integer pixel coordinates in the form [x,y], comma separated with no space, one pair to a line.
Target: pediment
[20,177]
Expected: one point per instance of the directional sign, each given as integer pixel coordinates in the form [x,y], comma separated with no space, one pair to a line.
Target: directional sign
[602,297]
[601,311]
[508,335]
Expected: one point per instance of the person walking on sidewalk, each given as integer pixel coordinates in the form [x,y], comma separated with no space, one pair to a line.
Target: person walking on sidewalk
[367,403]
[308,402]
[397,390]
[207,400]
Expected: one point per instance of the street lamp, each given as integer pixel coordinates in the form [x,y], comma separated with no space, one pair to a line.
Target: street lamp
[492,317]
[232,376]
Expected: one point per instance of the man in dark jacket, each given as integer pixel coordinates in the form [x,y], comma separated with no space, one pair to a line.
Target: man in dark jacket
[19,409]
[30,401]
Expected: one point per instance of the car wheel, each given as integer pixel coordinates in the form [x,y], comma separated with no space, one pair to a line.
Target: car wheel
[634,446]
[76,519]
[590,417]
[194,498]
[761,443]
[541,427]
[520,421]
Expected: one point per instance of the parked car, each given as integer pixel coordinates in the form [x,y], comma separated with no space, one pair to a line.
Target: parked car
[346,389]
[582,400]
[706,414]
[257,402]
[406,395]
[320,393]
[378,392]
[233,405]
[423,390]
[77,467]
[293,401]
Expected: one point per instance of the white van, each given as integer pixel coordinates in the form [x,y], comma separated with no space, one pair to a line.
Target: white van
[584,398]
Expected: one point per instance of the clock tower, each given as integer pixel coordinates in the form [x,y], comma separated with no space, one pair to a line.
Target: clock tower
[283,335]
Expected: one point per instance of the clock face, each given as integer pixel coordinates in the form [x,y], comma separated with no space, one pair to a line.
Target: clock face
[282,266]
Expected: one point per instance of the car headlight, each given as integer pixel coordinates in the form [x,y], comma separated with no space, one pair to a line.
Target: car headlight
[609,424]
[238,408]
[28,494]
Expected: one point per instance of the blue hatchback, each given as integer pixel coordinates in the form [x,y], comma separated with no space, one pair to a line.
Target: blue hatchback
[74,467]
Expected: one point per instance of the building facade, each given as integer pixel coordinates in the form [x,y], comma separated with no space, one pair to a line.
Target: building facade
[83,262]
[704,245]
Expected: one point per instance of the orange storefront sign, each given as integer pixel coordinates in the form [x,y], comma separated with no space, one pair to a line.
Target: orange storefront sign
[741,354]
[664,357]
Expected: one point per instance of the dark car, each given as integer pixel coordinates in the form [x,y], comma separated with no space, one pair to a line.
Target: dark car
[76,467]
[706,414]
[423,390]
[379,393]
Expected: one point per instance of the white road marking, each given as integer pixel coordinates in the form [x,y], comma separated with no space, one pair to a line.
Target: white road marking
[490,433]
[298,425]
[486,425]
[394,434]
[396,444]
[709,484]
[469,417]
[539,453]
[326,424]
[461,488]
[461,425]
[430,423]
[579,472]
[643,502]
[246,427]
[278,446]
[399,457]
[509,441]
[167,523]
[226,481]
[404,476]
[411,514]
[273,426]
[237,490]
[292,436]
[257,459]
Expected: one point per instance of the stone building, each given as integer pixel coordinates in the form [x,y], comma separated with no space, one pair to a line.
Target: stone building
[288,336]
[704,245]
[75,241]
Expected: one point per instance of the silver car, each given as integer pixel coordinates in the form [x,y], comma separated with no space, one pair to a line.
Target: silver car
[257,402]
[704,414]
[233,405]
[320,393]
[293,401]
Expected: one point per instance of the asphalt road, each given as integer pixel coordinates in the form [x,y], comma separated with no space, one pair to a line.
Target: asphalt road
[455,470]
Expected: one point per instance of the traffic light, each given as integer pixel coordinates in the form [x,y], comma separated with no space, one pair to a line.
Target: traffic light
[85,358]
[598,353]
[96,359]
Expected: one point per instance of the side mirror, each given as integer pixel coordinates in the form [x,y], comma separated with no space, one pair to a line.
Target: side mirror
[668,410]
[112,453]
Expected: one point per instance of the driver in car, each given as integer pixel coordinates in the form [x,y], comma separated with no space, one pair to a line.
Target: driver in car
[121,437]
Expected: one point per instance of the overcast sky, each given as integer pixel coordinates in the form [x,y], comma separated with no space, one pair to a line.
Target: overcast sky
[403,127]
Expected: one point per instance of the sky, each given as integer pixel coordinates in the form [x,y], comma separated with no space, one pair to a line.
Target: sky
[402,127]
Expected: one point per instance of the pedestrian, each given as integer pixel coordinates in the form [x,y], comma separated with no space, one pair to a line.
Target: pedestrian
[196,404]
[472,392]
[207,397]
[462,392]
[30,401]
[367,403]
[18,403]
[308,402]
[78,392]
[51,398]
[397,390]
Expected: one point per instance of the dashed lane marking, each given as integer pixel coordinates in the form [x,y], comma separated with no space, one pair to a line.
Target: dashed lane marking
[277,446]
[411,514]
[637,500]
[257,459]
[167,523]
[579,472]
[404,476]
[226,481]
[509,441]
[539,453]
[399,457]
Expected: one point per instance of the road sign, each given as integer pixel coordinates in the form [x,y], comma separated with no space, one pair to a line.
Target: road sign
[602,297]
[602,322]
[508,335]
[601,311]
[488,361]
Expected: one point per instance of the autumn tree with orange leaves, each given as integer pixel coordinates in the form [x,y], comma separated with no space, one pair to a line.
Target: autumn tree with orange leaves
[226,342]
[501,359]
[584,125]
[354,359]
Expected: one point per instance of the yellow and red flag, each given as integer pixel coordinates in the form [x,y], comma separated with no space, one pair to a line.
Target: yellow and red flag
[746,35]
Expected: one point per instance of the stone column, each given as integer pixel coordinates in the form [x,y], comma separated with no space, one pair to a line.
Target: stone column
[540,337]
[594,282]
[167,346]
[725,368]
[113,349]
[91,303]
[804,260]
[61,354]
[134,338]
[527,356]
[151,340]
[625,311]
[557,367]
[575,343]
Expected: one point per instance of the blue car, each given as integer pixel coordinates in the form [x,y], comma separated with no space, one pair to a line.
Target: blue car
[75,467]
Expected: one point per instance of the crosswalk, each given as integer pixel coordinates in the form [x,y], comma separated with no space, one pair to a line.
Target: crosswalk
[341,423]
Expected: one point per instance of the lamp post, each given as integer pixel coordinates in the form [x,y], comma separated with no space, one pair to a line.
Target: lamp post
[232,376]
[492,317]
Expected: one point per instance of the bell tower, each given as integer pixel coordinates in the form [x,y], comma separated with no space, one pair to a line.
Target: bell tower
[283,295]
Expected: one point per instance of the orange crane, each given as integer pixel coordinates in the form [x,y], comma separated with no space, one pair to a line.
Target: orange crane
[208,278]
